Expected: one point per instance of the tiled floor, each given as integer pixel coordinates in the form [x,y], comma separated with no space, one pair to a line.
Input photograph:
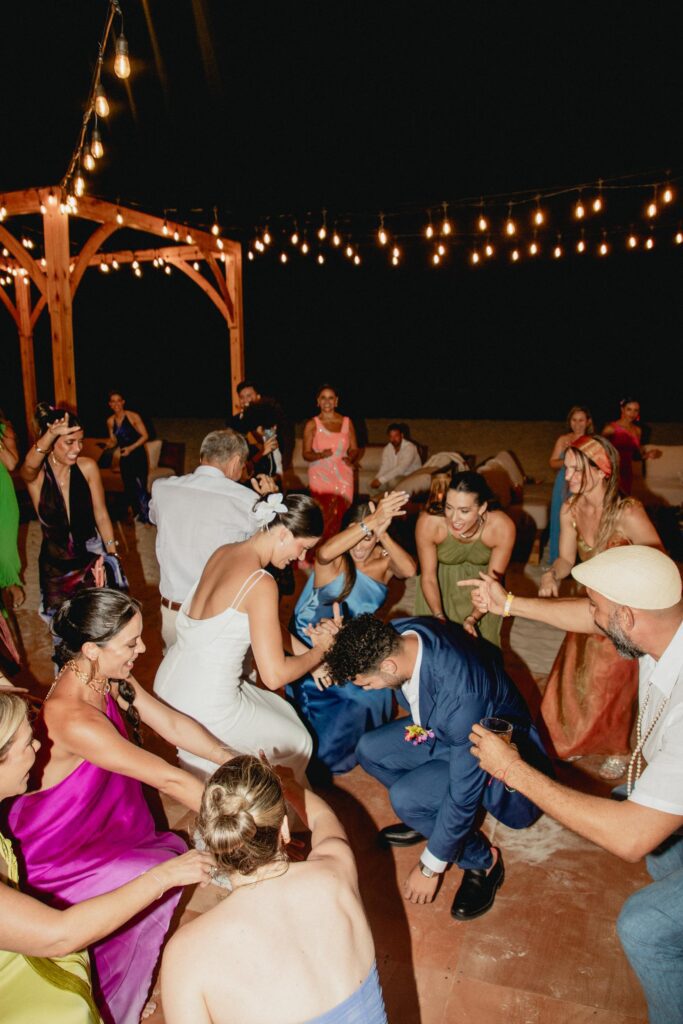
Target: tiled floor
[547,951]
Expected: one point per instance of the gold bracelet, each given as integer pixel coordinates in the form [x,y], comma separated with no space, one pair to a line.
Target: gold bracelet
[508,605]
[43,451]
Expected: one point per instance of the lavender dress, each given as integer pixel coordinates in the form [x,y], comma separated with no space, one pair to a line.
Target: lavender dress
[87,835]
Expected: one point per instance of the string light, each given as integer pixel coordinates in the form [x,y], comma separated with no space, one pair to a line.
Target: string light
[514,255]
[101,103]
[336,240]
[649,242]
[396,252]
[482,223]
[96,147]
[121,60]
[176,235]
[135,264]
[195,265]
[474,258]
[579,209]
[632,241]
[219,243]
[51,199]
[678,238]
[356,260]
[581,245]
[88,159]
[250,255]
[652,206]
[321,258]
[488,249]
[603,248]
[104,267]
[119,217]
[533,249]
[597,204]
[165,230]
[189,239]
[441,250]
[155,262]
[283,257]
[304,247]
[259,246]
[322,230]
[167,270]
[429,230]
[295,238]
[137,271]
[266,238]
[3,211]
[215,227]
[382,236]
[115,264]
[510,226]
[557,251]
[667,195]
[348,251]
[539,216]
[446,225]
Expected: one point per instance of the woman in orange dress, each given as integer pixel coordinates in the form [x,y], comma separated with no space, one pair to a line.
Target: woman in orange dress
[330,445]
[590,698]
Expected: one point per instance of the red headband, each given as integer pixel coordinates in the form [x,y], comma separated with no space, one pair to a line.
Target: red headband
[594,451]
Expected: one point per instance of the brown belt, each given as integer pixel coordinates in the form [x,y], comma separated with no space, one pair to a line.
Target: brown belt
[175,606]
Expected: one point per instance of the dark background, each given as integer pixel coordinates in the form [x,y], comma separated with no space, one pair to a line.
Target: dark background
[273,113]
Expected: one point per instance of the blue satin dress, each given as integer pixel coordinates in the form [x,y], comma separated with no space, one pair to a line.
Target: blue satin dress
[339,716]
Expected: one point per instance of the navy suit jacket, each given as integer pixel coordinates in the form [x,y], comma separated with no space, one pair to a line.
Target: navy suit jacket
[462,681]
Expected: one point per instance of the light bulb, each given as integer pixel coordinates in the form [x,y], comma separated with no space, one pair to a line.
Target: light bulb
[266,238]
[3,212]
[356,259]
[441,249]
[336,240]
[215,230]
[188,238]
[219,243]
[429,231]
[396,252]
[283,257]
[475,257]
[579,210]
[167,270]
[321,259]
[482,223]
[436,259]
[101,104]
[650,243]
[295,238]
[195,265]
[165,230]
[258,245]
[135,264]
[652,209]
[349,251]
[104,267]
[88,160]
[137,272]
[51,199]
[533,249]
[678,238]
[176,235]
[250,255]
[115,264]
[446,227]
[581,246]
[121,60]
[161,262]
[510,227]
[96,147]
[603,248]
[43,263]
[119,217]
[155,262]
[514,256]
[322,231]
[667,195]
[489,250]
[382,236]
[304,247]
[557,252]
[632,241]
[394,260]
[539,217]
[597,204]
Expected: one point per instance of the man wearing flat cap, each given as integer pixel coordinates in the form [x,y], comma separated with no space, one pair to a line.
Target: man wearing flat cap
[633,595]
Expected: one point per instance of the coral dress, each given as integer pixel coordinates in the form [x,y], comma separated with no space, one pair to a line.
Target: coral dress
[460,560]
[339,716]
[330,480]
[87,835]
[589,703]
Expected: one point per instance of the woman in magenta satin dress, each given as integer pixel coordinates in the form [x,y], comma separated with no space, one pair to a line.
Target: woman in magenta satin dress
[626,435]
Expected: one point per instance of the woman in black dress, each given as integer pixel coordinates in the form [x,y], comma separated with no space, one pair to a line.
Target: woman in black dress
[128,432]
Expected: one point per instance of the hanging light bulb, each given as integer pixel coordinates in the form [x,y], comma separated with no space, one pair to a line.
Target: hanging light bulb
[43,263]
[557,252]
[482,223]
[51,198]
[176,235]
[678,237]
[436,259]
[3,211]
[104,267]
[295,238]
[533,249]
[649,242]
[321,259]
[88,159]
[514,255]
[215,227]
[429,230]
[304,247]
[382,236]
[266,238]
[394,261]
[446,227]
[579,210]
[167,270]
[137,271]
[488,249]
[396,252]
[603,248]
[258,245]
[195,265]
[356,260]
[135,264]
[597,204]
[283,257]
[250,255]
[510,226]
[651,209]
[632,241]
[348,251]
[119,217]
[96,147]
[121,60]
[189,239]
[581,245]
[539,216]
[115,264]
[101,103]
[322,231]
[667,195]
[165,230]
[336,240]
[441,250]
[219,243]
[474,258]
[155,262]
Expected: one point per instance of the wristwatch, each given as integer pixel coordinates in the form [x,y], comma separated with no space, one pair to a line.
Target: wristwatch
[427,872]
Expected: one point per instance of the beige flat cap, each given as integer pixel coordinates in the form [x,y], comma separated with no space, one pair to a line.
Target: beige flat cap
[633,575]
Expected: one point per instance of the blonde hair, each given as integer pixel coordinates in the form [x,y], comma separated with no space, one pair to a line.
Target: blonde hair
[613,503]
[241,815]
[12,715]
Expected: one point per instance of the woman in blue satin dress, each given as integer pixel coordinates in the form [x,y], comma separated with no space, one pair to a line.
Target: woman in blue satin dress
[352,569]
[580,422]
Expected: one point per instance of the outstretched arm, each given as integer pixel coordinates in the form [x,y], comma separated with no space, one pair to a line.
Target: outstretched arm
[275,669]
[572,614]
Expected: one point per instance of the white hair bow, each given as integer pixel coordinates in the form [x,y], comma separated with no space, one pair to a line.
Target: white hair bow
[266,509]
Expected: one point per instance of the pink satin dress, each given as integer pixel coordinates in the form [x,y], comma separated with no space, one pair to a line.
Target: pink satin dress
[331,479]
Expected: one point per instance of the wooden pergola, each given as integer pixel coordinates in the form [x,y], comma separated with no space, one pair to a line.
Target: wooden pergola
[57,275]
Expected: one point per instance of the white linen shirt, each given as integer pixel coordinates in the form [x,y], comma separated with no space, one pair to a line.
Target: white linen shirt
[194,515]
[397,464]
[661,784]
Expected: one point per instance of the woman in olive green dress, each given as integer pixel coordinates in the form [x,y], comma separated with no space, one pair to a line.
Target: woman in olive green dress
[466,539]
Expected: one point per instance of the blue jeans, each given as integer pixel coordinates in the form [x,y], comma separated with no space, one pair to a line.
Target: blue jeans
[650,927]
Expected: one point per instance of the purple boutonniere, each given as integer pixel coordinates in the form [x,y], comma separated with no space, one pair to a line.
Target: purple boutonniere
[415,734]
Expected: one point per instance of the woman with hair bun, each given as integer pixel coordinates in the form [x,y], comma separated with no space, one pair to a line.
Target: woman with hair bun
[85,827]
[468,537]
[291,941]
[232,608]
[68,496]
[44,970]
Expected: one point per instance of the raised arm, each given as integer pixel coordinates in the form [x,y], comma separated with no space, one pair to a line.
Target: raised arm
[30,927]
[573,614]
[32,466]
[426,541]
[377,521]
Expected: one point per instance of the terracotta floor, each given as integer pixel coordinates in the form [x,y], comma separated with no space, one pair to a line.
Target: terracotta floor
[546,952]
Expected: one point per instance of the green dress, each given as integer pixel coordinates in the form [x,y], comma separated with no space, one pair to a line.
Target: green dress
[460,560]
[10,565]
[35,988]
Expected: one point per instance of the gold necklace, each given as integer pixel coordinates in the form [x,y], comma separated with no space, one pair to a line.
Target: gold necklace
[60,483]
[90,681]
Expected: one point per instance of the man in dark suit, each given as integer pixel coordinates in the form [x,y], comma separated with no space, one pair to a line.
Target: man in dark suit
[447,680]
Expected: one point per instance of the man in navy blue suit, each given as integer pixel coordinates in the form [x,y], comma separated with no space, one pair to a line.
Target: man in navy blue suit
[447,680]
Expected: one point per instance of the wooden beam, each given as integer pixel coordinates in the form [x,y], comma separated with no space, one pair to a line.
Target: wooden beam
[11,308]
[166,252]
[203,284]
[233,276]
[56,234]
[27,200]
[222,284]
[28,365]
[97,238]
[38,309]
[23,259]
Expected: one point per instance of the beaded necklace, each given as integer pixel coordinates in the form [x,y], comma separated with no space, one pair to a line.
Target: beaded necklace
[635,765]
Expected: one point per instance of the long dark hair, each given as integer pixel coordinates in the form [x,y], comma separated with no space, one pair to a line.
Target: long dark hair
[358,511]
[469,482]
[96,616]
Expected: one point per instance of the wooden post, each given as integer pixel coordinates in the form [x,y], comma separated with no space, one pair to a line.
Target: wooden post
[22,292]
[56,233]
[233,276]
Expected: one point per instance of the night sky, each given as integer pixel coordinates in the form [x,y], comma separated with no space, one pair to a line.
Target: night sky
[272,113]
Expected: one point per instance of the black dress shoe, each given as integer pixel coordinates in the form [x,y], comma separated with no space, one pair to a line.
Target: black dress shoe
[477,891]
[399,835]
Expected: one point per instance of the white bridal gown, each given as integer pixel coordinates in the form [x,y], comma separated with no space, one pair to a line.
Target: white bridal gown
[202,675]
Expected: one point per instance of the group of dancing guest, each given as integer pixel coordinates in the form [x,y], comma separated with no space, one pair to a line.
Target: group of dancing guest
[44,966]
[469,536]
[66,490]
[352,569]
[588,705]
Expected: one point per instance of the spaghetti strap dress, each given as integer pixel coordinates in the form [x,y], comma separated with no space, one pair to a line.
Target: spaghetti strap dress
[330,480]
[203,676]
[339,716]
[85,836]
[460,560]
[133,469]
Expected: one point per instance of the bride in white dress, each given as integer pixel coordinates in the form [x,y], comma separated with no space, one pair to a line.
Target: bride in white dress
[234,606]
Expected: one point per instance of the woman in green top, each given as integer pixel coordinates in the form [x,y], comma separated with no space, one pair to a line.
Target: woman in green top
[10,566]
[466,539]
[41,977]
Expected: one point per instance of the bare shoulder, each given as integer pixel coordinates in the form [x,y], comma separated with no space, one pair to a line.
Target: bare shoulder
[431,527]
[499,524]
[87,466]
